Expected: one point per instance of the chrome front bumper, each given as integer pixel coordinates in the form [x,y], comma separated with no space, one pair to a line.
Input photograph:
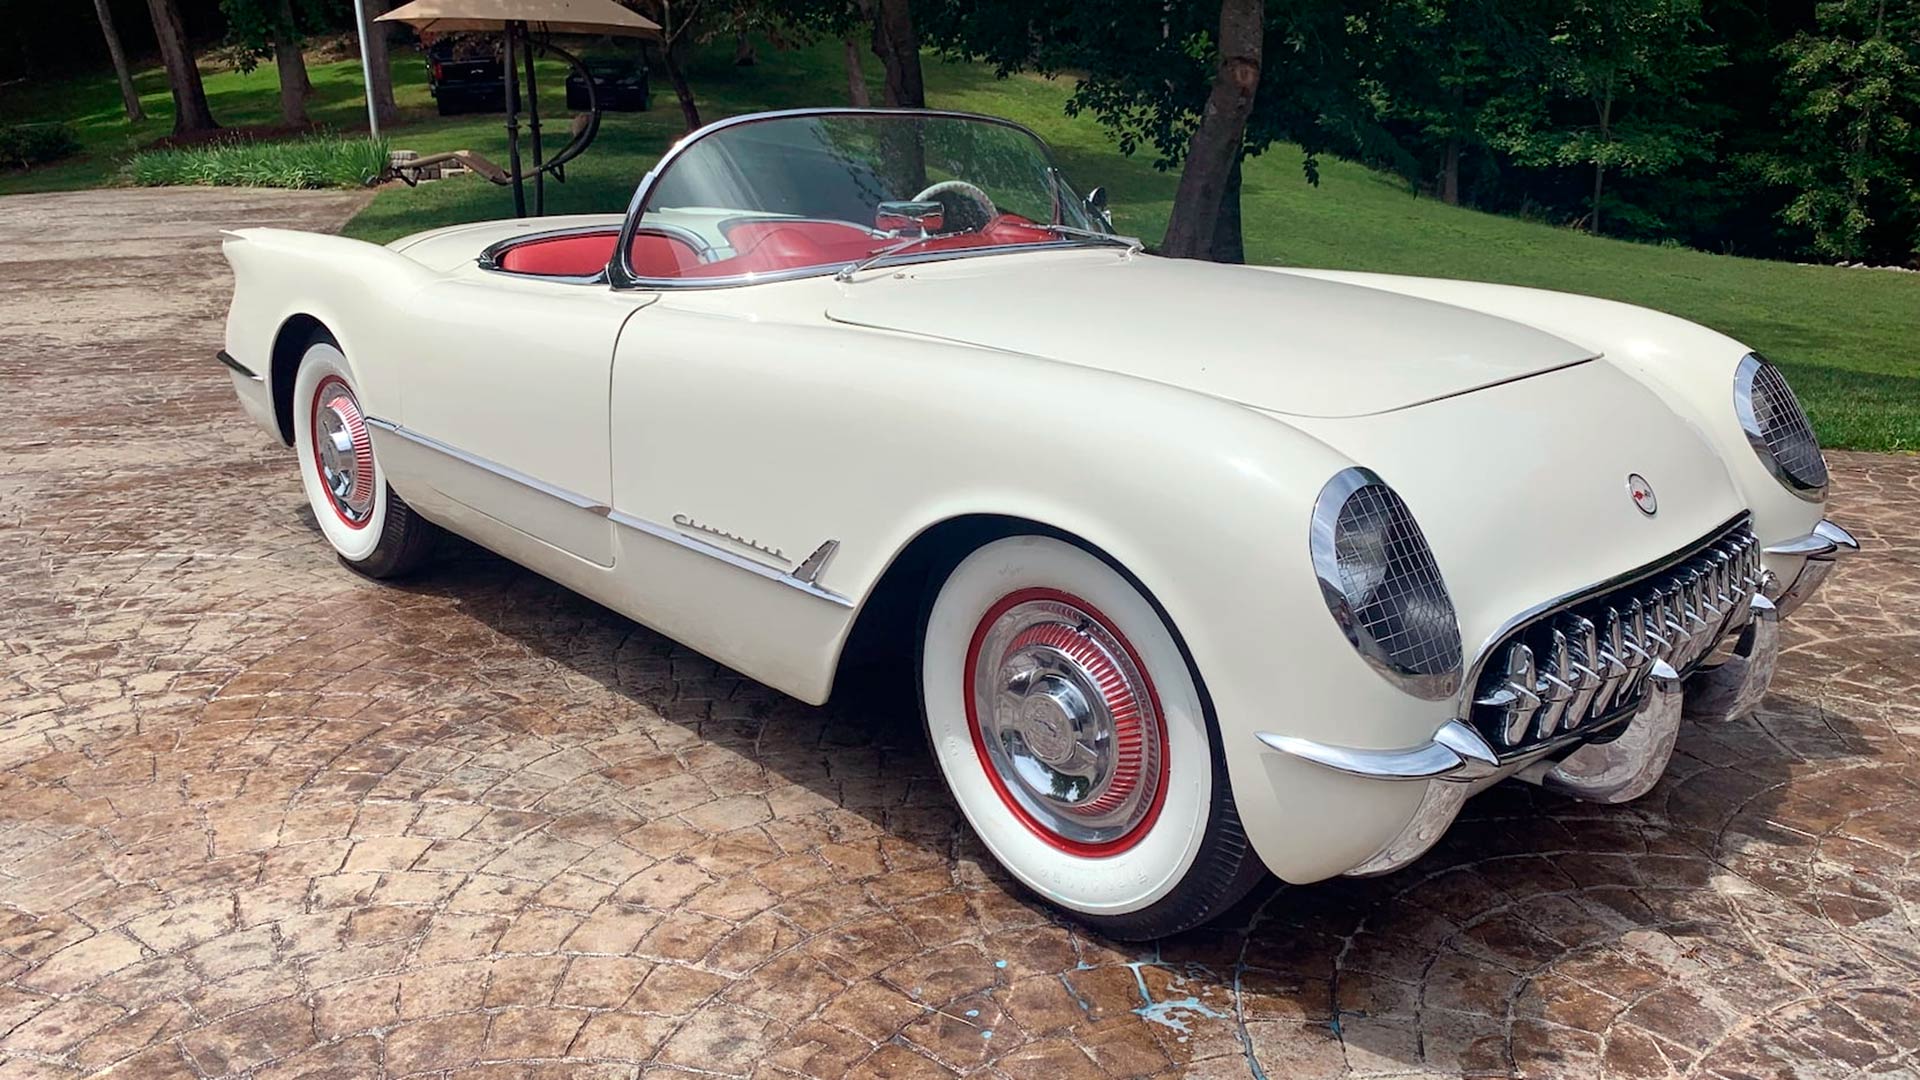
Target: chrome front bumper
[1621,761]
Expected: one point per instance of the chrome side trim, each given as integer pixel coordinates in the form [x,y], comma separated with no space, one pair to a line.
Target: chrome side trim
[739,562]
[617,517]
[388,427]
[1456,751]
[226,358]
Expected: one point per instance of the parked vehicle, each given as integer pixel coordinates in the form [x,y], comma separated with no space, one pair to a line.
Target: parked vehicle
[465,77]
[619,83]
[1200,570]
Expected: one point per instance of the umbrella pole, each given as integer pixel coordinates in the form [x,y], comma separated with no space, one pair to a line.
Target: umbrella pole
[533,124]
[513,124]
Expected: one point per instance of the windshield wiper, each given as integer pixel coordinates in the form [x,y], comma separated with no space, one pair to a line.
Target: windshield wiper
[846,272]
[1131,243]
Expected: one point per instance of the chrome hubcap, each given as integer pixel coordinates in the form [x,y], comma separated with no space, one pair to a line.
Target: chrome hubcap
[1066,721]
[344,452]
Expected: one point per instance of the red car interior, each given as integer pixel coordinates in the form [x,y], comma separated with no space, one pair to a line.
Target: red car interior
[760,246]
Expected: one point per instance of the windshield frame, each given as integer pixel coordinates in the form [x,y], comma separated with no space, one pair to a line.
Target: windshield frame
[619,272]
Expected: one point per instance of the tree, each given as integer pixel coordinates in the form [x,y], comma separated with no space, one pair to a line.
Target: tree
[898,48]
[129,97]
[259,29]
[1149,71]
[1610,92]
[190,110]
[680,27]
[1213,154]
[1431,66]
[1850,95]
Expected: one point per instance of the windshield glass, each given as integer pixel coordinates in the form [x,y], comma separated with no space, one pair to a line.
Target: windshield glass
[793,193]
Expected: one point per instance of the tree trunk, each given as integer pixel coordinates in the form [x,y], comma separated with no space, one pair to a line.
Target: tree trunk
[857,95]
[1599,168]
[292,63]
[379,63]
[743,51]
[1216,144]
[1450,162]
[895,43]
[1229,243]
[671,55]
[129,97]
[190,110]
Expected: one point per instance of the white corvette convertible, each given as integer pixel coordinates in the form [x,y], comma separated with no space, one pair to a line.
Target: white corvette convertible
[1204,570]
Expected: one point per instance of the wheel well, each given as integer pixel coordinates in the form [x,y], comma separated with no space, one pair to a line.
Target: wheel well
[288,346]
[885,634]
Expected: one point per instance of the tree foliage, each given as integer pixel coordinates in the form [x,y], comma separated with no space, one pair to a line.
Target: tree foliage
[1850,108]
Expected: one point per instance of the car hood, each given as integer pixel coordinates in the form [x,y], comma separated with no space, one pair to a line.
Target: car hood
[1275,341]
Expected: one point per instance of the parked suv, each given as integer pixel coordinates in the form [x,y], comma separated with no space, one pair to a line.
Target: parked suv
[618,81]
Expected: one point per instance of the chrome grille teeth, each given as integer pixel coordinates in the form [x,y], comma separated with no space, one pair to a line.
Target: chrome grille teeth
[1583,650]
[1555,690]
[1612,665]
[1594,659]
[1519,697]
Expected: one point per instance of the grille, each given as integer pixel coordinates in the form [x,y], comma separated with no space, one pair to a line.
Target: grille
[1581,665]
[1784,427]
[1389,577]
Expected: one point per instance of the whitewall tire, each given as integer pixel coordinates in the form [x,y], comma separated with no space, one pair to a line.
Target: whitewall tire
[1075,737]
[370,528]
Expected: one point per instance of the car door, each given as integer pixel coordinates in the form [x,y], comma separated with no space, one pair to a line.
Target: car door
[507,377]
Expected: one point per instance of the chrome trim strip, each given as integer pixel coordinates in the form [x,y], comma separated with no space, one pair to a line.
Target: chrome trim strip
[620,271]
[578,501]
[741,562]
[1454,749]
[638,524]
[226,358]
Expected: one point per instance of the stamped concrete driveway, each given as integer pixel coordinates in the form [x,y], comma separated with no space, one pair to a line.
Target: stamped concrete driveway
[259,816]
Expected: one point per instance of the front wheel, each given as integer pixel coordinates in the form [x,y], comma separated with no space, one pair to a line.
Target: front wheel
[1075,738]
[369,526]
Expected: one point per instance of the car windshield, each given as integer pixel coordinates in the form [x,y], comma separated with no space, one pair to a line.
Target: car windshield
[828,190]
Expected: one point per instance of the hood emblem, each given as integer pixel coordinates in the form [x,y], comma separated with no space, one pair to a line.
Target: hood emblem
[1642,495]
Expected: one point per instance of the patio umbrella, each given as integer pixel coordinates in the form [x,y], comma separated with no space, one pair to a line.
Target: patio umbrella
[518,20]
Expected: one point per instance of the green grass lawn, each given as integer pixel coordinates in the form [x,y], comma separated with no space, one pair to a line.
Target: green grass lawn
[1845,337]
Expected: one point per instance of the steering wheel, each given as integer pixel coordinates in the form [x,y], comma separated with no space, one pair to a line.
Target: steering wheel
[968,208]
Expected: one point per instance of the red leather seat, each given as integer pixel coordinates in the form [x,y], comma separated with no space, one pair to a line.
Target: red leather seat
[586,254]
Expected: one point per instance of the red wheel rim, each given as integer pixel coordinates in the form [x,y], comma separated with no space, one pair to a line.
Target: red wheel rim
[1124,690]
[335,411]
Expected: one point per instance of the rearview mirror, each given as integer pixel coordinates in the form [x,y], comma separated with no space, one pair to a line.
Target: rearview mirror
[1097,207]
[909,218]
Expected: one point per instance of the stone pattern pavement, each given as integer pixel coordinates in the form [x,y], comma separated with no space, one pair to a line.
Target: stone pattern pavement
[261,817]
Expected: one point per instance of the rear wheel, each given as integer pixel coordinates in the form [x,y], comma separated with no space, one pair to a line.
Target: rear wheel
[1075,738]
[370,528]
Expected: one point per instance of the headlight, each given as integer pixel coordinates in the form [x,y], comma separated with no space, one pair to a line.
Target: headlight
[1778,429]
[1382,585]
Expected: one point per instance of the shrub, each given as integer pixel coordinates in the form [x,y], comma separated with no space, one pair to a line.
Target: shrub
[23,146]
[317,161]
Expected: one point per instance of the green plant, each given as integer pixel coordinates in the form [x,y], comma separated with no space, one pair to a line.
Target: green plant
[25,145]
[317,161]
